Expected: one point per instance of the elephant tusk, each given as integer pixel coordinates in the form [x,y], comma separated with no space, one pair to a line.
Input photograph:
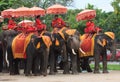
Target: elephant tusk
[73,51]
[82,51]
[6,58]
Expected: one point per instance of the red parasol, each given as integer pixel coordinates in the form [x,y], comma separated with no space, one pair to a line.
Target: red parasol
[86,15]
[7,13]
[37,11]
[21,11]
[56,9]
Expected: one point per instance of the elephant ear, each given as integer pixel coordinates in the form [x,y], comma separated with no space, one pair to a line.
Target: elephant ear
[38,45]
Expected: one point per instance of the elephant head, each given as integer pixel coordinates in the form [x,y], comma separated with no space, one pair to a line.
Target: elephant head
[73,43]
[111,43]
[72,37]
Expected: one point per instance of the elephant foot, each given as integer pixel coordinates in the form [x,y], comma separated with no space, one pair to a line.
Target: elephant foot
[5,71]
[64,72]
[44,74]
[79,70]
[17,73]
[55,70]
[89,70]
[12,73]
[52,73]
[105,71]
[96,72]
[28,74]
[36,74]
[75,73]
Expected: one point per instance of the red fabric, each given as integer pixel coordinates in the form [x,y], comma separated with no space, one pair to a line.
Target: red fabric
[38,23]
[58,23]
[98,29]
[30,29]
[90,27]
[19,29]
[11,24]
[41,27]
[86,45]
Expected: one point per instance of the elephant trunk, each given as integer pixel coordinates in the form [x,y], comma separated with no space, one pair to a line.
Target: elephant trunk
[113,51]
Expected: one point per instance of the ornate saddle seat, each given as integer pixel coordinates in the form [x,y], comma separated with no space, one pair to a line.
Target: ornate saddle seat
[19,45]
[87,45]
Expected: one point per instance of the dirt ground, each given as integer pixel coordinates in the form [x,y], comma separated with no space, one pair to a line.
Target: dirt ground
[112,76]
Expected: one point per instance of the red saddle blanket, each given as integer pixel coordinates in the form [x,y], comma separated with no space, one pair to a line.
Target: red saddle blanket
[19,45]
[87,45]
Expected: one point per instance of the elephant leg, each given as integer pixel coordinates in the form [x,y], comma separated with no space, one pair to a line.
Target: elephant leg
[65,67]
[105,63]
[5,66]
[52,62]
[56,63]
[45,61]
[97,60]
[65,61]
[35,66]
[74,64]
[86,62]
[16,72]
[1,60]
[29,64]
[12,68]
[78,65]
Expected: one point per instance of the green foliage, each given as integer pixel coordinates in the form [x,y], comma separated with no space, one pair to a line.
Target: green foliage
[108,21]
[110,66]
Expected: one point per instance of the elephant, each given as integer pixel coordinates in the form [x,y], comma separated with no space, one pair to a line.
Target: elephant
[102,43]
[73,44]
[5,38]
[37,54]
[55,51]
[107,39]
[66,38]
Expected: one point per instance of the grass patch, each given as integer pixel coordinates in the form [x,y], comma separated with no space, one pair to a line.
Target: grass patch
[110,66]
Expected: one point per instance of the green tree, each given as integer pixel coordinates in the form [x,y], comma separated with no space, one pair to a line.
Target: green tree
[114,19]
[40,3]
[5,4]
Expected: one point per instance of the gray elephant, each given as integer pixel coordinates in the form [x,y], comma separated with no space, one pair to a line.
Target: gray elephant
[6,36]
[102,42]
[57,49]
[67,38]
[73,44]
[37,54]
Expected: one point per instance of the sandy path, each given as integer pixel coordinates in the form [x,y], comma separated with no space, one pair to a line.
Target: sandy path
[113,76]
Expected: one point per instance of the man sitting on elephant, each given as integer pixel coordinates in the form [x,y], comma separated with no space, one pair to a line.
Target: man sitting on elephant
[91,28]
[57,23]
